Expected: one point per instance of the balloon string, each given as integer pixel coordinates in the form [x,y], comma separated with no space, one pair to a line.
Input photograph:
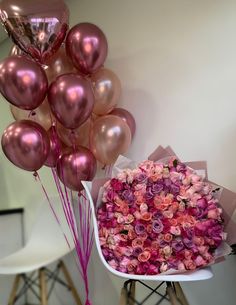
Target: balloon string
[66,213]
[36,175]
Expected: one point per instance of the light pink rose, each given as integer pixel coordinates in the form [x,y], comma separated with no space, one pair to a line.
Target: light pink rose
[190,265]
[163,267]
[175,230]
[200,261]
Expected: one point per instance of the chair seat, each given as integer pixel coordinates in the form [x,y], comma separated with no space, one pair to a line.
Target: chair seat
[32,257]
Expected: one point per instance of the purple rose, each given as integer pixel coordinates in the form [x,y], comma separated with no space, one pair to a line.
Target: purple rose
[137,251]
[177,245]
[141,178]
[174,189]
[157,188]
[149,194]
[139,228]
[157,226]
[128,195]
[188,243]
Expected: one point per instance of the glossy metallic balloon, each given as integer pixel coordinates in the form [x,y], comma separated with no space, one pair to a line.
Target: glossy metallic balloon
[37,27]
[126,117]
[75,166]
[26,144]
[75,137]
[59,64]
[15,50]
[107,90]
[23,82]
[71,99]
[41,115]
[55,150]
[110,137]
[87,46]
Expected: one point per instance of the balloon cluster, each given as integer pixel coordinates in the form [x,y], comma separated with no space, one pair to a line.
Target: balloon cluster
[62,97]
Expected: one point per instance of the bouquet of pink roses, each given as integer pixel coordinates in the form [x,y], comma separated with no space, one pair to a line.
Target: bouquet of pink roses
[160,217]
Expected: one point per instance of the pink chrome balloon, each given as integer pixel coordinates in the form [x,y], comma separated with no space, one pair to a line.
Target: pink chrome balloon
[126,117]
[23,82]
[59,64]
[75,166]
[55,148]
[71,99]
[87,46]
[26,144]
[75,137]
[107,90]
[37,27]
[41,115]
[110,137]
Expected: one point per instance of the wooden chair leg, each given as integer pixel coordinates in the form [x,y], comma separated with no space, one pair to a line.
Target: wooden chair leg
[43,287]
[15,286]
[171,294]
[123,297]
[180,294]
[70,283]
[132,293]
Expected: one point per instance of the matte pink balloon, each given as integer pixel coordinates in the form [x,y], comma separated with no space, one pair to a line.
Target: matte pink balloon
[26,144]
[75,166]
[75,137]
[71,99]
[87,46]
[41,115]
[55,150]
[37,27]
[107,90]
[110,137]
[59,64]
[23,82]
[126,117]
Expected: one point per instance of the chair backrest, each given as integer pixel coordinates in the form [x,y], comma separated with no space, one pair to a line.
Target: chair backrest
[49,227]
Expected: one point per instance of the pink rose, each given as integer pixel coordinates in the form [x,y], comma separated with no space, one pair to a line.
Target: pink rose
[113,263]
[175,230]
[200,261]
[144,256]
[213,214]
[181,266]
[190,265]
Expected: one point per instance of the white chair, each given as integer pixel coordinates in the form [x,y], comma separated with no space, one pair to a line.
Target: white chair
[172,281]
[46,244]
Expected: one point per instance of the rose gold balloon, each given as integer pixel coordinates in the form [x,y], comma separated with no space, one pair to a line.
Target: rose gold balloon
[71,99]
[55,150]
[87,47]
[26,144]
[59,64]
[107,90]
[23,82]
[75,166]
[126,117]
[110,136]
[37,27]
[75,137]
[41,115]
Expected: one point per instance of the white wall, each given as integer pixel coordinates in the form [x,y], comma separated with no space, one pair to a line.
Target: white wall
[177,63]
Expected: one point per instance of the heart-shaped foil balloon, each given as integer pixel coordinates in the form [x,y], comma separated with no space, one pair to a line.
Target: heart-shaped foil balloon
[37,27]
